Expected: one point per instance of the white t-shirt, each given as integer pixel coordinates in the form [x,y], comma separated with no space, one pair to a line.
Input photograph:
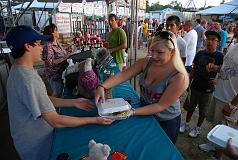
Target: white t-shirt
[182,47]
[191,40]
[227,84]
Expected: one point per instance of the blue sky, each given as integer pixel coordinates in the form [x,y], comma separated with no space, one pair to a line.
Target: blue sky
[198,3]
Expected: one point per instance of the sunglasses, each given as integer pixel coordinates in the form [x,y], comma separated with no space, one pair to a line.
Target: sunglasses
[165,35]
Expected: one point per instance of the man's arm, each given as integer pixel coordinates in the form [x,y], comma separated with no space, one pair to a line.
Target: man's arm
[122,46]
[80,103]
[60,121]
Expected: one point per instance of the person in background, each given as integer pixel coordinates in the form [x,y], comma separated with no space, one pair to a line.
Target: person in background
[155,24]
[202,82]
[161,26]
[218,28]
[191,39]
[139,32]
[145,32]
[117,41]
[200,29]
[212,26]
[230,40]
[163,80]
[55,57]
[32,112]
[173,25]
[225,96]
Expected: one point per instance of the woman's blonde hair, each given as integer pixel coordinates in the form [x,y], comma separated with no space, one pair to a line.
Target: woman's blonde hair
[171,43]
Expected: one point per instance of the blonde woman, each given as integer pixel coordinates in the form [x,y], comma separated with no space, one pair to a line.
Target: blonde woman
[164,79]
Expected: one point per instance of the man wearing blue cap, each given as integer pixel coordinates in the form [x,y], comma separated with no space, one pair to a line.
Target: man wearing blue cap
[31,112]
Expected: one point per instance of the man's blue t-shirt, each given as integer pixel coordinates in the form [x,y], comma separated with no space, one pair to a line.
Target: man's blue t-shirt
[223,35]
[201,77]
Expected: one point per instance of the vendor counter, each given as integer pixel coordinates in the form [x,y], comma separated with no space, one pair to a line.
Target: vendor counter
[139,137]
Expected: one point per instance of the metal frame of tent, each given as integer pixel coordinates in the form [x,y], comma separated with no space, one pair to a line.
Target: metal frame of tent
[133,30]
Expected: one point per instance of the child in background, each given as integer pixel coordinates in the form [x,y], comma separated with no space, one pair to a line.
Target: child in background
[206,64]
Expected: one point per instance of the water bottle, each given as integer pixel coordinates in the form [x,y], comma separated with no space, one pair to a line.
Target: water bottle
[108,92]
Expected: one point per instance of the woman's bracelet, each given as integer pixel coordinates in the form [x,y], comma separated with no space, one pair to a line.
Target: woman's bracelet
[100,85]
[133,111]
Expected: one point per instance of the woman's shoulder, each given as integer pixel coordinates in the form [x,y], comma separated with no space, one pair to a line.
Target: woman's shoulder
[48,44]
[177,77]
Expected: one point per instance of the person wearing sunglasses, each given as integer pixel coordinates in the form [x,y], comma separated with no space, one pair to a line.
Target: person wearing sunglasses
[206,64]
[163,80]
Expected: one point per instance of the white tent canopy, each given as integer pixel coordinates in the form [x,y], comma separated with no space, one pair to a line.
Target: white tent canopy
[226,8]
[35,4]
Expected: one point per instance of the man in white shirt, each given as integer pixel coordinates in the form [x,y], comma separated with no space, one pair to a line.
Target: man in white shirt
[191,39]
[173,25]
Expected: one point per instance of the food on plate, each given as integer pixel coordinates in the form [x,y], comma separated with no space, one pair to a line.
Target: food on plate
[121,113]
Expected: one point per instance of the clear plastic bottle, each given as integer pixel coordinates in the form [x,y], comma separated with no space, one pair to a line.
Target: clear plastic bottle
[108,92]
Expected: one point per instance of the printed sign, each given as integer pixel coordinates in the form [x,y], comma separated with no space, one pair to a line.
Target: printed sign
[77,7]
[63,22]
[65,7]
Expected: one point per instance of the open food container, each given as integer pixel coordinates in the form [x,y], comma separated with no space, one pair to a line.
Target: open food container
[116,109]
[220,135]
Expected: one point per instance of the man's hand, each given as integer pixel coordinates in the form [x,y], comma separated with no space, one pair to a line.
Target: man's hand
[227,110]
[230,150]
[83,104]
[210,67]
[104,121]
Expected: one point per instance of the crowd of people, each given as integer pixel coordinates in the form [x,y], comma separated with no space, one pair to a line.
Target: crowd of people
[181,56]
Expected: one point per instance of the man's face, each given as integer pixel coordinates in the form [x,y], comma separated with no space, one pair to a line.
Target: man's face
[172,27]
[211,42]
[186,27]
[113,22]
[218,26]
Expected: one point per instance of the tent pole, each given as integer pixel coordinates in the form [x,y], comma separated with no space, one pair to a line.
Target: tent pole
[9,8]
[41,14]
[18,18]
[130,56]
[135,37]
[53,11]
[20,10]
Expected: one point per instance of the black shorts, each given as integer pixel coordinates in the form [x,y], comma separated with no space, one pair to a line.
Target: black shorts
[200,99]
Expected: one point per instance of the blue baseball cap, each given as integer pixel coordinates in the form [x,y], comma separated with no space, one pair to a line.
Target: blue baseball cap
[19,35]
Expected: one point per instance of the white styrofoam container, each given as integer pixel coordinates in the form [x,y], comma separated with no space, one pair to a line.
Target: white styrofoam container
[113,105]
[220,135]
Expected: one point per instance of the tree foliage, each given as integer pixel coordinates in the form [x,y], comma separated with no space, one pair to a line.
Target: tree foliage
[157,6]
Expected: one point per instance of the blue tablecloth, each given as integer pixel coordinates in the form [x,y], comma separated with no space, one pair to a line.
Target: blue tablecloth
[141,138]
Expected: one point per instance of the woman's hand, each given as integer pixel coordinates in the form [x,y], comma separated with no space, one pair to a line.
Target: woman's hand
[83,104]
[104,121]
[100,94]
